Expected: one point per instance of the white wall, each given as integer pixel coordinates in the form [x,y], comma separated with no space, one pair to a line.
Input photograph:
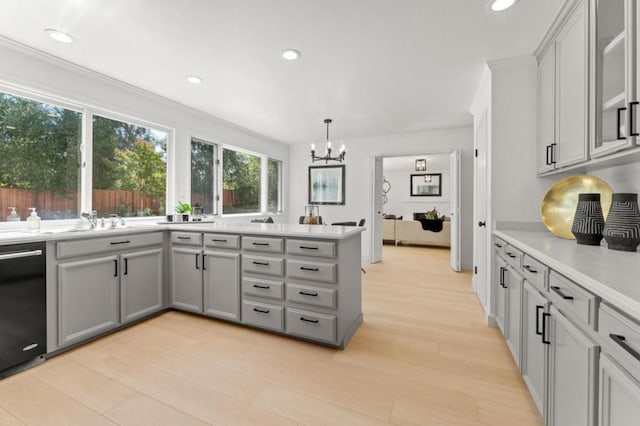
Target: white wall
[25,68]
[621,178]
[359,175]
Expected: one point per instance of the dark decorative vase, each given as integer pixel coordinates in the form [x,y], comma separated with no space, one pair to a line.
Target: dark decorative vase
[622,229]
[588,221]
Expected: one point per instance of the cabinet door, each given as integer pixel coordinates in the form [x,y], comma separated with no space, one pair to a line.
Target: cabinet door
[572,89]
[502,277]
[619,395]
[222,284]
[572,374]
[186,279]
[88,302]
[534,352]
[141,284]
[514,314]
[546,109]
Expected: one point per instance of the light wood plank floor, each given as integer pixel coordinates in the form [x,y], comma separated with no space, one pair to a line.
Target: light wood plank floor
[423,356]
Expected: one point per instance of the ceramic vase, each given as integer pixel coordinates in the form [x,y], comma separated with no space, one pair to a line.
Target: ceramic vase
[622,228]
[588,221]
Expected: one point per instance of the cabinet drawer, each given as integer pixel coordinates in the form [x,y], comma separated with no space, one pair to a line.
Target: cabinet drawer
[312,325]
[222,241]
[272,245]
[622,336]
[311,248]
[513,256]
[90,246]
[314,271]
[263,265]
[572,299]
[187,238]
[263,288]
[263,315]
[499,245]
[316,296]
[535,272]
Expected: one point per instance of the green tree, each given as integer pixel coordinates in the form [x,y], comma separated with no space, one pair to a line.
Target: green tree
[241,172]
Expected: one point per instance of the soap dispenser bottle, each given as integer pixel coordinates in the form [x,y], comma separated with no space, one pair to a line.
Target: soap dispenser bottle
[13,216]
[33,221]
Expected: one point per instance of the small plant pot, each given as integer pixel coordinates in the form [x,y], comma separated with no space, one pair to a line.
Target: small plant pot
[169,218]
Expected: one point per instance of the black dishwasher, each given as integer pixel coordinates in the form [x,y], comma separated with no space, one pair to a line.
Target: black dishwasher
[23,320]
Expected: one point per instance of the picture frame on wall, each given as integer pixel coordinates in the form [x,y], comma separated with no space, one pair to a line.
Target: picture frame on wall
[326,185]
[426,185]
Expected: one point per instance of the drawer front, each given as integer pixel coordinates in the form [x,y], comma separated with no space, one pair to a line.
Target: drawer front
[222,241]
[89,246]
[271,245]
[263,315]
[314,271]
[263,265]
[513,256]
[622,336]
[311,248]
[316,296]
[263,288]
[535,272]
[499,245]
[187,238]
[311,325]
[573,299]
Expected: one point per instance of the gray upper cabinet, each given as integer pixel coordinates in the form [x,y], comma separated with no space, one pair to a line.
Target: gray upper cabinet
[141,283]
[619,395]
[88,302]
[534,351]
[186,279]
[546,109]
[222,284]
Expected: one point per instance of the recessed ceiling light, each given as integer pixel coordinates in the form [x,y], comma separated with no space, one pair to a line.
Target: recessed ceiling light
[194,79]
[500,5]
[58,35]
[290,54]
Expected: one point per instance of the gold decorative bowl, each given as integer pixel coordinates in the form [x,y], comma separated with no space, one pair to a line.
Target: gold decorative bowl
[560,202]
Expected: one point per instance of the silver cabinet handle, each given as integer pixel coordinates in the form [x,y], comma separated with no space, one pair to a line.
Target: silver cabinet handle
[19,254]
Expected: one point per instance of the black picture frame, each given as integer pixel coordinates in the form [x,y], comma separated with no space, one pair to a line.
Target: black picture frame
[426,185]
[326,185]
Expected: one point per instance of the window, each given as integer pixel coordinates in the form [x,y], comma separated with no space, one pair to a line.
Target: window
[241,184]
[129,169]
[274,188]
[203,176]
[39,158]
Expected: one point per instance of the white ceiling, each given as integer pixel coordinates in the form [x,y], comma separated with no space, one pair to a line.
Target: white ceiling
[376,67]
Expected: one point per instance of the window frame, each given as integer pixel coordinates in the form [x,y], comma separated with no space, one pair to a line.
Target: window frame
[217,176]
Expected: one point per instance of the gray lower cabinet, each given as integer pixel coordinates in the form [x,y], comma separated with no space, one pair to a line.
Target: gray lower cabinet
[501,293]
[534,351]
[572,373]
[141,283]
[186,279]
[619,395]
[513,323]
[88,298]
[222,284]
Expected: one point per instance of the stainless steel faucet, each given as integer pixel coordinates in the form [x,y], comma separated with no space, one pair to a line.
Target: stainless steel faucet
[92,217]
[114,220]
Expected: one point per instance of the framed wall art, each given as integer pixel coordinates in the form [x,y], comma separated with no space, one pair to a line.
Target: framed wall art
[326,185]
[426,185]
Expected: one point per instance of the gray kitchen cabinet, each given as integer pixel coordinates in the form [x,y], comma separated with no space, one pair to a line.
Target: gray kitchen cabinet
[501,293]
[88,302]
[141,283]
[546,109]
[186,279]
[222,284]
[572,373]
[619,395]
[513,332]
[534,351]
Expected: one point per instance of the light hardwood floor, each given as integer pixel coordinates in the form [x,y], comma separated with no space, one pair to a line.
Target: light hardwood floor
[423,356]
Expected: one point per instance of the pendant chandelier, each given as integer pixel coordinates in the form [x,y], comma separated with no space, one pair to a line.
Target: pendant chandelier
[327,152]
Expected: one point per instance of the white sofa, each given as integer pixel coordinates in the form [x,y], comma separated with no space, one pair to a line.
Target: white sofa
[411,232]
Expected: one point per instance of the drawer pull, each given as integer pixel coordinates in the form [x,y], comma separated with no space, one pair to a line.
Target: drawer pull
[308,248]
[538,308]
[308,320]
[262,311]
[215,240]
[511,255]
[304,268]
[184,238]
[255,262]
[560,293]
[260,244]
[530,269]
[266,287]
[620,340]
[304,293]
[113,243]
[498,245]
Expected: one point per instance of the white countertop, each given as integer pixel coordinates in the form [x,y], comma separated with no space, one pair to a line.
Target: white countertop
[612,275]
[277,229]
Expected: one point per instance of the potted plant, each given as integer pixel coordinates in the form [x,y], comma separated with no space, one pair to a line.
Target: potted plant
[184,209]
